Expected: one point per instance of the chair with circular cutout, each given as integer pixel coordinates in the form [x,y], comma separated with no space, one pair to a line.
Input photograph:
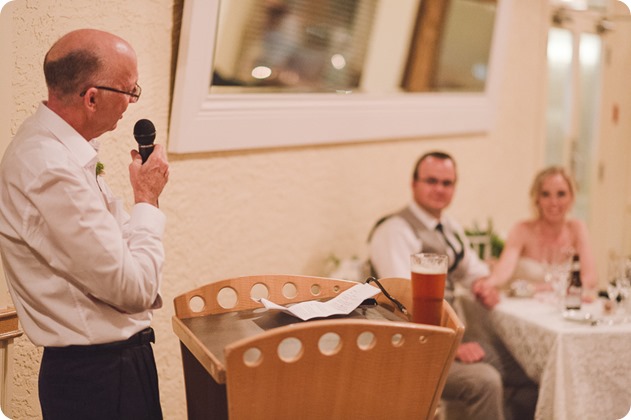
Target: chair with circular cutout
[239,293]
[341,369]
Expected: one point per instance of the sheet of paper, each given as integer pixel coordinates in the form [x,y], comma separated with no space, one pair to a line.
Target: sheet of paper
[343,304]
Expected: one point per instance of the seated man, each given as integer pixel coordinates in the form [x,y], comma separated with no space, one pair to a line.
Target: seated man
[480,372]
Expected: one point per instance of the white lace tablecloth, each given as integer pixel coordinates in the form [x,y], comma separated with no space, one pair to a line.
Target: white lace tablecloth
[583,370]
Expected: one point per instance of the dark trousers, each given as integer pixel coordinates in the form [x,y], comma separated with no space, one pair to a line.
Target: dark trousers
[104,381]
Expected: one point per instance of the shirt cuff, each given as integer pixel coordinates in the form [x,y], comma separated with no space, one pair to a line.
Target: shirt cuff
[146,216]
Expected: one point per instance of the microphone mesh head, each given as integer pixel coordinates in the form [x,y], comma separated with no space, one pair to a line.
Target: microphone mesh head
[144,132]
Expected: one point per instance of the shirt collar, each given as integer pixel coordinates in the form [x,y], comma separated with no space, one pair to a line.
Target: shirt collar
[85,152]
[427,219]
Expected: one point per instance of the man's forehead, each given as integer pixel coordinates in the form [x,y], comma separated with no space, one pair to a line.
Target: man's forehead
[438,167]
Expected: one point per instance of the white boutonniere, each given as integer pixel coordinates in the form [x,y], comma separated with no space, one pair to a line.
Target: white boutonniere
[100,169]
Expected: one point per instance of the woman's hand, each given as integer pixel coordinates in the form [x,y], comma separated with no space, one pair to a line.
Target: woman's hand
[485,292]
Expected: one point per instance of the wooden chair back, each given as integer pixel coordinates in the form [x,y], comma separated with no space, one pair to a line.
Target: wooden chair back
[239,293]
[401,289]
[340,369]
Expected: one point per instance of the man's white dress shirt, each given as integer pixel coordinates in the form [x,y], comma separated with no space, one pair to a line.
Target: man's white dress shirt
[394,240]
[80,269]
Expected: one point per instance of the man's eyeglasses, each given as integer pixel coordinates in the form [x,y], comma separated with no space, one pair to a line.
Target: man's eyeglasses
[447,183]
[134,95]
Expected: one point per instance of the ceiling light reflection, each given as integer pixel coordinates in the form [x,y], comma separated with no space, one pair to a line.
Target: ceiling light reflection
[261,72]
[338,61]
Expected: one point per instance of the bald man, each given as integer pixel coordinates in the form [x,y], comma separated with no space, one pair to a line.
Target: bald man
[84,275]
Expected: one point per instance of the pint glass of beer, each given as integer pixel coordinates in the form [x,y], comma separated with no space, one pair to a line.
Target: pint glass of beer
[429,272]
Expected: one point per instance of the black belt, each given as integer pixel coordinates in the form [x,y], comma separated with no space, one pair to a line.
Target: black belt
[141,338]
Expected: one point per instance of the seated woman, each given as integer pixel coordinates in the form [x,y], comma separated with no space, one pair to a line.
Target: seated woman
[536,247]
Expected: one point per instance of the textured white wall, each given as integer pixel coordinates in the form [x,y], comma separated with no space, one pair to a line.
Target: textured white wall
[6,104]
[273,211]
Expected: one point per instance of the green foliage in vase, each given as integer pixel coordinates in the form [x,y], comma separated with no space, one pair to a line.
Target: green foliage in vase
[497,243]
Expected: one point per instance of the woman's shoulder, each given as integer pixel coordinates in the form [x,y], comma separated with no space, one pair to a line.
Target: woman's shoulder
[521,233]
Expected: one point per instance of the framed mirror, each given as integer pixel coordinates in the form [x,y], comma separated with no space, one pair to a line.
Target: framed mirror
[272,73]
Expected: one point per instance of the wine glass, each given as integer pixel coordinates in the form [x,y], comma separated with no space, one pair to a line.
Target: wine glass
[624,292]
[613,292]
[619,285]
[556,278]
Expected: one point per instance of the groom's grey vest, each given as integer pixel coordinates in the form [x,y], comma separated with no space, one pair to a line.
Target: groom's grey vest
[431,241]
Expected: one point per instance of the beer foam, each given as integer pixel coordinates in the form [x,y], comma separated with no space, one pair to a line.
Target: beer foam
[424,269]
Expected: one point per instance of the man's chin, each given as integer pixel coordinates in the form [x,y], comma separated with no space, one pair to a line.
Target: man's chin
[440,206]
[434,210]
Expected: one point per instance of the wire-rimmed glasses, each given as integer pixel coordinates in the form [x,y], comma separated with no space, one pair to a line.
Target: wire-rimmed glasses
[134,95]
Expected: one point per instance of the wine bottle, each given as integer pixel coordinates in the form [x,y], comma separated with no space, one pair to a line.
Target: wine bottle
[574,291]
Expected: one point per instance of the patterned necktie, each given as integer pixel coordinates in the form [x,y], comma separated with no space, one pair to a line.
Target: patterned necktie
[458,256]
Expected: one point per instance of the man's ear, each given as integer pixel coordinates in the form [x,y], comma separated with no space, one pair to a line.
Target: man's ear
[89,99]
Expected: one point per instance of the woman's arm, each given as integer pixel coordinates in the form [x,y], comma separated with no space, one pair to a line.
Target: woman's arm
[504,268]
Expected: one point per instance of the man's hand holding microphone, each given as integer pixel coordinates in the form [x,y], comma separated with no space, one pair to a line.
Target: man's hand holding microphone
[149,169]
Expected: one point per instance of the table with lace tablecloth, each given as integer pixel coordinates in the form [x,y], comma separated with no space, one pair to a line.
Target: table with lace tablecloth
[583,368]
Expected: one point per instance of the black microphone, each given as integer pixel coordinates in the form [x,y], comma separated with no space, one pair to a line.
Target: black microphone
[145,134]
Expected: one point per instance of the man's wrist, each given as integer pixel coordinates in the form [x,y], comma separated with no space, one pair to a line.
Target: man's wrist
[145,201]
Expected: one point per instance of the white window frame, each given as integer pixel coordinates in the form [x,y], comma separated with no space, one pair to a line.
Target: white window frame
[201,122]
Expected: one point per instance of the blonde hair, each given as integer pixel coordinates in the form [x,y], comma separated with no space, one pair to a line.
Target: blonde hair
[537,184]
